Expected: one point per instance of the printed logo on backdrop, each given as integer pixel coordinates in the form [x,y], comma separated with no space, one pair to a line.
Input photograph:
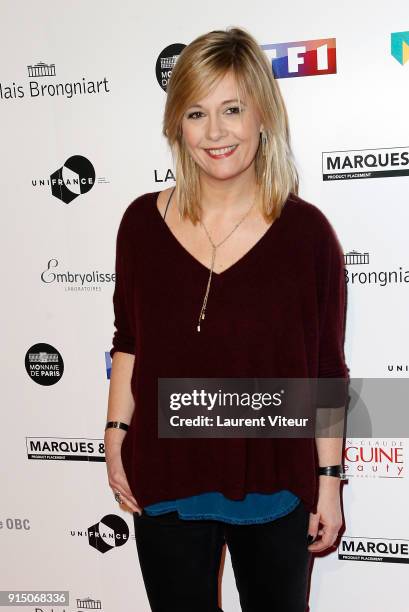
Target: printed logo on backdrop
[108,533]
[164,176]
[302,58]
[44,364]
[365,163]
[355,276]
[82,603]
[87,603]
[74,178]
[75,281]
[42,84]
[65,449]
[165,63]
[400,46]
[15,524]
[382,550]
[374,458]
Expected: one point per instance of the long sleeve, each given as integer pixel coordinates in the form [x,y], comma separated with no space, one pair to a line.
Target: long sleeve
[124,335]
[331,287]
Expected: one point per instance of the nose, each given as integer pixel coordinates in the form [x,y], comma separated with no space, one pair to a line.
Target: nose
[214,127]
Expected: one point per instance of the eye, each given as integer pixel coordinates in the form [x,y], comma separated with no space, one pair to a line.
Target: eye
[235,110]
[194,115]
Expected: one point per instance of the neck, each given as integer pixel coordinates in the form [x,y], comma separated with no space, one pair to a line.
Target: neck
[228,194]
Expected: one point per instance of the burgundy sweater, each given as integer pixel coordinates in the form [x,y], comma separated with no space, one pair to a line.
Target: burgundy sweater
[279,311]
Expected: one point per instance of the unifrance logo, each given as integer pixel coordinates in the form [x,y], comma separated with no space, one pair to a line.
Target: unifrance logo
[365,163]
[74,178]
[302,58]
[108,533]
[400,46]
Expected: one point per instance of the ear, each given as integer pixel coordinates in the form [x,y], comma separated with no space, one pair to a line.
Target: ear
[261,128]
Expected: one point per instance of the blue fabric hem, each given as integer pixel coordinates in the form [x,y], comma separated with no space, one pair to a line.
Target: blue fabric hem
[228,519]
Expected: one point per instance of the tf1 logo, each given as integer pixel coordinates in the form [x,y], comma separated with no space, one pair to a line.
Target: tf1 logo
[302,58]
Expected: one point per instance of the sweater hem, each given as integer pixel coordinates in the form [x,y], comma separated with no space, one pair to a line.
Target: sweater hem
[229,519]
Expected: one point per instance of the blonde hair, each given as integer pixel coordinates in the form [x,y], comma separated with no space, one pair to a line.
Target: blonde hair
[200,65]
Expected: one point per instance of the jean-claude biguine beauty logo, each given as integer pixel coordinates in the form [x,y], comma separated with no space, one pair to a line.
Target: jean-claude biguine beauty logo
[74,178]
[44,364]
[374,458]
[165,63]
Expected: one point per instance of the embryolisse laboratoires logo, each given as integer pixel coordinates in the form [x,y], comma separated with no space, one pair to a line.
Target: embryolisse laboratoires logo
[44,83]
[44,364]
[75,281]
[165,63]
[381,550]
[108,533]
[302,58]
[371,276]
[74,178]
[365,163]
[65,449]
[374,458]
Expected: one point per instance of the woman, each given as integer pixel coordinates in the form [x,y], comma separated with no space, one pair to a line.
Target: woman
[229,274]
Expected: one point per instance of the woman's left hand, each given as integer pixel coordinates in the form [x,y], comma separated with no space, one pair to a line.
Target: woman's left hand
[327,522]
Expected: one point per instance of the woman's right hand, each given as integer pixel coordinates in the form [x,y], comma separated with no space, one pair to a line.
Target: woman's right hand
[116,474]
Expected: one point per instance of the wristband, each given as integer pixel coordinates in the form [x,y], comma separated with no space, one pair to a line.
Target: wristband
[332,470]
[117,425]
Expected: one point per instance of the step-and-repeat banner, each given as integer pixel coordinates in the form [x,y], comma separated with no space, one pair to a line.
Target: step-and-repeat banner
[82,92]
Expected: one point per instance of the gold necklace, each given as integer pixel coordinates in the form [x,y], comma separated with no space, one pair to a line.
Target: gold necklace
[214,247]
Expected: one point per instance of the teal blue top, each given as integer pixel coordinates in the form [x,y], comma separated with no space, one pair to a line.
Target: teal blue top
[254,508]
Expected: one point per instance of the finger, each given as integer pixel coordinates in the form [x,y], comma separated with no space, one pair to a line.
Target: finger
[126,499]
[325,542]
[313,523]
[320,548]
[130,505]
[121,484]
[120,481]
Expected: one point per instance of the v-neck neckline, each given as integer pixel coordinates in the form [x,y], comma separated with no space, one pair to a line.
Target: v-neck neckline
[245,258]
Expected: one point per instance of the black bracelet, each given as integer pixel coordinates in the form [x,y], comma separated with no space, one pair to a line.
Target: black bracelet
[117,425]
[332,470]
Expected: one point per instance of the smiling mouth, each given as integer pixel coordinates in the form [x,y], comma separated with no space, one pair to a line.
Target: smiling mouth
[222,151]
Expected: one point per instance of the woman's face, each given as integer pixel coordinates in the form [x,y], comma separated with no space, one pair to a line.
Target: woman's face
[221,136]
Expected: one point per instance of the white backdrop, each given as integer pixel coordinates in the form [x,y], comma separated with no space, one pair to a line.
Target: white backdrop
[53,482]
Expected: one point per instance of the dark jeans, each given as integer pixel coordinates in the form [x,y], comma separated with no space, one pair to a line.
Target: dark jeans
[180,562]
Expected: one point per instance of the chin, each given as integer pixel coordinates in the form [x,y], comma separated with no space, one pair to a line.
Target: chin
[223,174]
